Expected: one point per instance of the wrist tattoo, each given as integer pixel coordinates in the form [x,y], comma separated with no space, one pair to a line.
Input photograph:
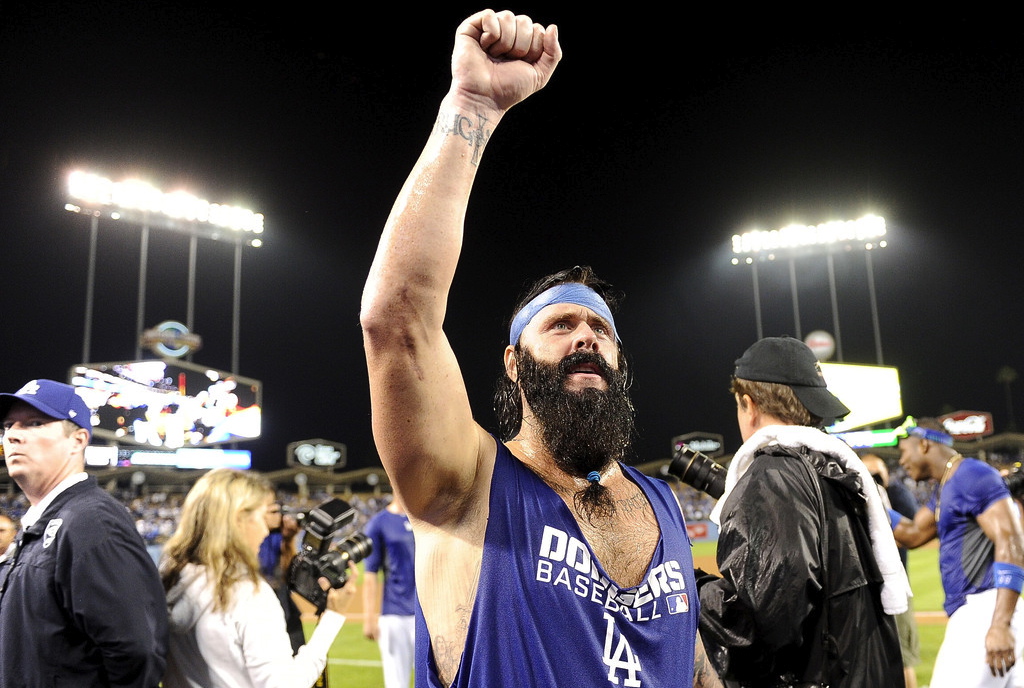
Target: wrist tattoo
[476,134]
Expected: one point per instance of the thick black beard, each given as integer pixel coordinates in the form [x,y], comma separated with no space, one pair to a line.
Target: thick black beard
[584,430]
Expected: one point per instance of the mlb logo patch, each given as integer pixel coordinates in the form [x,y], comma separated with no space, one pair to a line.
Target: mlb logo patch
[678,604]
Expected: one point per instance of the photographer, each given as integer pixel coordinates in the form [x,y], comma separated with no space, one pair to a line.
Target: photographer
[227,625]
[810,573]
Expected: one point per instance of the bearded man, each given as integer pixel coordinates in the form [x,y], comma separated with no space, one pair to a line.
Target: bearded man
[541,559]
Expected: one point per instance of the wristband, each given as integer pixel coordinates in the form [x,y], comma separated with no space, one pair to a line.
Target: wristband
[1008,576]
[894,518]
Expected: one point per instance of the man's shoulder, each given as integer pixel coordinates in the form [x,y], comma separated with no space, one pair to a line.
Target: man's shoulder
[775,470]
[779,457]
[89,512]
[978,469]
[980,483]
[88,495]
[651,482]
[374,522]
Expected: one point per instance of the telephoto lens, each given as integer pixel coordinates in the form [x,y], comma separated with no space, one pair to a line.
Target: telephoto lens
[698,471]
[334,565]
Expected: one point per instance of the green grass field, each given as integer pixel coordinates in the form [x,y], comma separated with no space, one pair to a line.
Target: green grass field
[355,662]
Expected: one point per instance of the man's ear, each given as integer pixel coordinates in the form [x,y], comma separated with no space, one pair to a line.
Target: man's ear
[511,363]
[81,438]
[750,407]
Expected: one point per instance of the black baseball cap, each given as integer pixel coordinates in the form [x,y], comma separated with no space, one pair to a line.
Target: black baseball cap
[788,361]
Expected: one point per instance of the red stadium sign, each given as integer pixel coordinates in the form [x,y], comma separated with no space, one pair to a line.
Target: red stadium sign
[697,531]
[967,425]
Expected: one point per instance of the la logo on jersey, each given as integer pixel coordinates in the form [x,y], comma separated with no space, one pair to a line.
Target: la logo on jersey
[566,563]
[619,656]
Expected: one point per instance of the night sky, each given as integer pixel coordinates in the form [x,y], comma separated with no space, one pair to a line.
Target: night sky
[658,138]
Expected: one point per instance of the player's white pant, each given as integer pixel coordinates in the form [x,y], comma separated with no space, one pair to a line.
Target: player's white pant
[960,662]
[397,640]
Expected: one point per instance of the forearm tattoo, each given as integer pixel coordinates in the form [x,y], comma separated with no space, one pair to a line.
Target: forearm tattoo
[704,674]
[476,134]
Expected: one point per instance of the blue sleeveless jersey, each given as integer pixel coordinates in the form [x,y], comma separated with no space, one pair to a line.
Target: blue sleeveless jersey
[546,613]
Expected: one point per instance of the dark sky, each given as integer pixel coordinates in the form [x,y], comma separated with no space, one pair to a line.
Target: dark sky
[659,136]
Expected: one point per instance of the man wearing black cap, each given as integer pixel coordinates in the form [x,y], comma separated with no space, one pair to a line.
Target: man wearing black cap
[798,528]
[82,604]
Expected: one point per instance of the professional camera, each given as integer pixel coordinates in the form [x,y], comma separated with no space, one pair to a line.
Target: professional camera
[316,559]
[697,470]
[1015,481]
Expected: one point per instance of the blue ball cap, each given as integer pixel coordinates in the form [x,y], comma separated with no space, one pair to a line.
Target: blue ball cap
[55,399]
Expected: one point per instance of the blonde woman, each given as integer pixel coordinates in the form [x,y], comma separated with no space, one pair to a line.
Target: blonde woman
[227,624]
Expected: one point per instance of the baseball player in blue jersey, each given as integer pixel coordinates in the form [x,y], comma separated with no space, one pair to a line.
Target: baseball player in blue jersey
[390,612]
[541,559]
[981,554]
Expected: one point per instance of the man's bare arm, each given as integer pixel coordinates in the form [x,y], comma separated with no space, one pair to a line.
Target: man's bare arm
[704,674]
[920,531]
[1001,523]
[371,605]
[422,422]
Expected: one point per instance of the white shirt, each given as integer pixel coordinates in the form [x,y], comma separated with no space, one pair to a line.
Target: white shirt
[245,646]
[36,510]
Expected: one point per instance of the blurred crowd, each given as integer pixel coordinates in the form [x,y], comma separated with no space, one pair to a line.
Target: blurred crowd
[156,513]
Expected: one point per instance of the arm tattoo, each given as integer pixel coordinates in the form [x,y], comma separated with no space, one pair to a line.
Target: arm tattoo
[704,675]
[458,124]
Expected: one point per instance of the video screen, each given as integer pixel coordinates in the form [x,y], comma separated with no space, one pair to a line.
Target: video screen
[169,404]
[872,393]
[185,457]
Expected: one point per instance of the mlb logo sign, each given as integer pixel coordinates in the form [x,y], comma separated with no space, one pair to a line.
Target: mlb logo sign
[678,604]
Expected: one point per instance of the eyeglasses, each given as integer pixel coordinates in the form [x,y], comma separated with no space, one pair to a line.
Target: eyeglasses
[32,424]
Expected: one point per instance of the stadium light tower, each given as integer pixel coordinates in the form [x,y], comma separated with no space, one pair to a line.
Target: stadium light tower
[138,202]
[867,233]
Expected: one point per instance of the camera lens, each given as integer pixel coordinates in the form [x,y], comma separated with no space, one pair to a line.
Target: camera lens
[334,565]
[698,471]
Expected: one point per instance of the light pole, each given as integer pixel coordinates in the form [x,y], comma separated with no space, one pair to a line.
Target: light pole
[874,303]
[90,284]
[793,241]
[137,202]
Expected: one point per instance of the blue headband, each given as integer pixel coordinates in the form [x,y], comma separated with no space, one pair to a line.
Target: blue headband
[931,435]
[569,292]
